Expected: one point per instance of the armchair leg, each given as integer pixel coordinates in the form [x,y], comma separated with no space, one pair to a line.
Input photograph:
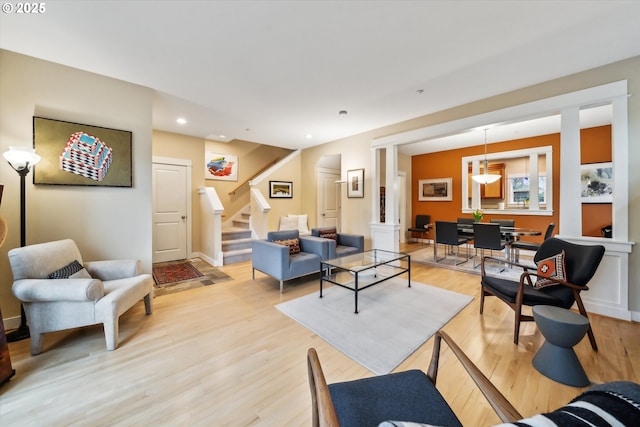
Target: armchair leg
[111,331]
[148,304]
[583,311]
[36,342]
[516,328]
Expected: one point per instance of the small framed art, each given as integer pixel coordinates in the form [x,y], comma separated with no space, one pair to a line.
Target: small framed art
[280,189]
[355,183]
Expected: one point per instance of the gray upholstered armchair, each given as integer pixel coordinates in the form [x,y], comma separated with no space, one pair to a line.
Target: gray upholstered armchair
[345,244]
[286,255]
[59,291]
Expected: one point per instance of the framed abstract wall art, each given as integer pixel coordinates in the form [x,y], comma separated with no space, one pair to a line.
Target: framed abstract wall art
[437,189]
[221,166]
[78,154]
[596,183]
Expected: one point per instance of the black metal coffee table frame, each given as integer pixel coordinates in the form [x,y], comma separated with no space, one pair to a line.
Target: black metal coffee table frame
[364,269]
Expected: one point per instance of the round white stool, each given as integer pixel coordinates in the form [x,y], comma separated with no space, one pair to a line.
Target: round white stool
[556,359]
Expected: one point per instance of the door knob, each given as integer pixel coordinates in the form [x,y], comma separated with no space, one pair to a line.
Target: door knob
[183,217]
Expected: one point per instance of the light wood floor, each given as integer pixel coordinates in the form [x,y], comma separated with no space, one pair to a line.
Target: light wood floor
[223,355]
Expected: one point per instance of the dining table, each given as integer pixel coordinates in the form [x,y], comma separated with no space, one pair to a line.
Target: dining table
[510,234]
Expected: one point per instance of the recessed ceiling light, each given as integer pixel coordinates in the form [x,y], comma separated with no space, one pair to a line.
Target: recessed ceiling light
[342,112]
[222,136]
[419,91]
[308,136]
[181,121]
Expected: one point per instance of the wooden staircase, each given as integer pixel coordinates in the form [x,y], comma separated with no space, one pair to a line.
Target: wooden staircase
[236,240]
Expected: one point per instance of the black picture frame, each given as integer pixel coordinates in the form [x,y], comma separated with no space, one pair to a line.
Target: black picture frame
[82,155]
[280,189]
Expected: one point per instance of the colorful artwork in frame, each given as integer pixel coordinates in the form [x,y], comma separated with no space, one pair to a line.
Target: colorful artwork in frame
[78,154]
[596,183]
[221,166]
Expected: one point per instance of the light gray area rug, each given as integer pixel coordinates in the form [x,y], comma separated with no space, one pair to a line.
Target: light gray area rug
[393,320]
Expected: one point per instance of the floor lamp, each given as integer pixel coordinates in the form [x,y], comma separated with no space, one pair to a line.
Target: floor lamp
[21,159]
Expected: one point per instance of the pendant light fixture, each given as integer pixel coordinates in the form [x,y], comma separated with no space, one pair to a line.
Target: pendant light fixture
[486,177]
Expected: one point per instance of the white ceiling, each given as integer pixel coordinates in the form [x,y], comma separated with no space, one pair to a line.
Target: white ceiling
[274,71]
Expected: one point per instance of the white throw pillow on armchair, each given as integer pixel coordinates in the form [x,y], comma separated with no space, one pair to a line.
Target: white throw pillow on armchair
[287,223]
[301,223]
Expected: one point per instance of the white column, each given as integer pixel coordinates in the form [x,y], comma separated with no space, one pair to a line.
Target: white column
[570,204]
[385,235]
[620,157]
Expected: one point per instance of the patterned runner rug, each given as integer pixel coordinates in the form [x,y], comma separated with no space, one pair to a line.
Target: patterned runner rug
[175,276]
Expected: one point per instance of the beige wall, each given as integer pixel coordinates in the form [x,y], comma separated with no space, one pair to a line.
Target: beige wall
[291,171]
[356,151]
[105,222]
[252,158]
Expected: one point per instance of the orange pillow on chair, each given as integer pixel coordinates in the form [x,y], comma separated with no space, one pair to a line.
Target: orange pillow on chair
[550,268]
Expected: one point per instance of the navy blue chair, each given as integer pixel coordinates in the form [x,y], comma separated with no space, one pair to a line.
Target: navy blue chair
[402,396]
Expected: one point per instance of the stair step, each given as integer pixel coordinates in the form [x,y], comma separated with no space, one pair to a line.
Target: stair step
[236,244]
[236,234]
[231,257]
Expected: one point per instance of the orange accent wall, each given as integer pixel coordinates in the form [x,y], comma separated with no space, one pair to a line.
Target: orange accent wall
[447,164]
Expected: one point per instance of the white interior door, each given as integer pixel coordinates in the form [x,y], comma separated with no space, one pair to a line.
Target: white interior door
[328,198]
[170,193]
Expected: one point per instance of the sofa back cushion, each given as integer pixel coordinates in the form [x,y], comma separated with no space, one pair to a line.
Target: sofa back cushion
[40,260]
[282,235]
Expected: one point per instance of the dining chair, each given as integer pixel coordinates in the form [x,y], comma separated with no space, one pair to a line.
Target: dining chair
[504,222]
[466,232]
[447,234]
[529,246]
[423,225]
[563,270]
[487,236]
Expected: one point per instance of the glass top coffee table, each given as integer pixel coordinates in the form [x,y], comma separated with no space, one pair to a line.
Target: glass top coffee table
[359,271]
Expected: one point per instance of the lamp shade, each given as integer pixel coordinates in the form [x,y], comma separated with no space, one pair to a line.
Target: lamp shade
[21,157]
[485,178]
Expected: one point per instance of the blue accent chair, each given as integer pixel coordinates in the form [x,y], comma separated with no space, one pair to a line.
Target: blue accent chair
[274,259]
[346,244]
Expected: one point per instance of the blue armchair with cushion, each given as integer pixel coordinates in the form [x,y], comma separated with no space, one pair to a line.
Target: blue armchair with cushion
[284,255]
[345,244]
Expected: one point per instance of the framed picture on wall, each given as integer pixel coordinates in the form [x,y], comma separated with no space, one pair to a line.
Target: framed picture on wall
[77,154]
[596,183]
[280,189]
[355,183]
[436,189]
